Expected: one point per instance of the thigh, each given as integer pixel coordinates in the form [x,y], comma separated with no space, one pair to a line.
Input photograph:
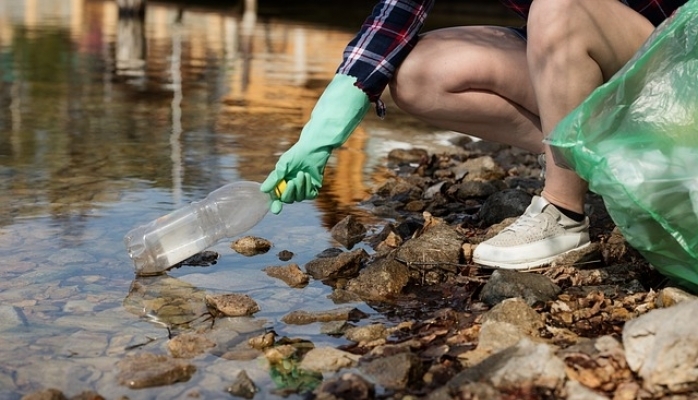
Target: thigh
[474,80]
[469,58]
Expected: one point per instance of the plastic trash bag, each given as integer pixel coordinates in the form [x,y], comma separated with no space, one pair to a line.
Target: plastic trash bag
[635,140]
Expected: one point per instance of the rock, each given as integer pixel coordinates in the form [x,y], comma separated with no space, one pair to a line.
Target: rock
[327,359]
[344,387]
[243,386]
[251,245]
[585,257]
[47,394]
[89,395]
[474,391]
[291,274]
[576,391]
[494,336]
[380,281]
[475,189]
[386,239]
[11,317]
[437,249]
[301,317]
[348,232]
[408,156]
[189,345]
[232,305]
[518,313]
[366,333]
[662,348]
[524,365]
[148,370]
[531,287]
[335,328]
[285,255]
[670,296]
[614,248]
[598,363]
[346,264]
[504,204]
[394,372]
[480,169]
[262,342]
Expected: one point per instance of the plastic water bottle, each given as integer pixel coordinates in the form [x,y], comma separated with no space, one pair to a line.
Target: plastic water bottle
[226,212]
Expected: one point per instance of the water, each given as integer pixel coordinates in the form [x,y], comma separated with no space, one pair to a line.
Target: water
[109,123]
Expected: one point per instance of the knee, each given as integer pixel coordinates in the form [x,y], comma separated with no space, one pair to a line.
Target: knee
[552,27]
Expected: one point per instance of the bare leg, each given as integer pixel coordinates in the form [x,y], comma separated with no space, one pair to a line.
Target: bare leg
[472,80]
[573,47]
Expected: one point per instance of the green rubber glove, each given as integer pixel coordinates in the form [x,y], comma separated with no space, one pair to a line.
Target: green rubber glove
[337,113]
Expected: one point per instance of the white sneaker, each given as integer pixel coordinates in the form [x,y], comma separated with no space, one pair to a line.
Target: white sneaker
[539,236]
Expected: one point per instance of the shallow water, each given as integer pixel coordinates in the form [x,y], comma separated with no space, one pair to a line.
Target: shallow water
[108,123]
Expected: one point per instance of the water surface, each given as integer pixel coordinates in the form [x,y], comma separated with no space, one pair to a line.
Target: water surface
[107,123]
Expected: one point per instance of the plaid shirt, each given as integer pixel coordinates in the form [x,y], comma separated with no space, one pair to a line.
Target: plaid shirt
[390,33]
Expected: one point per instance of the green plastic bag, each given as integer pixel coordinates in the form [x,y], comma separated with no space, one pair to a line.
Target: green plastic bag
[635,140]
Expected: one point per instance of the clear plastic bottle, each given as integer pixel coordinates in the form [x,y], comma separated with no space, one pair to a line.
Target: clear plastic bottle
[226,212]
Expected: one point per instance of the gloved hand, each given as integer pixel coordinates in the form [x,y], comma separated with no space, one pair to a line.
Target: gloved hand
[337,113]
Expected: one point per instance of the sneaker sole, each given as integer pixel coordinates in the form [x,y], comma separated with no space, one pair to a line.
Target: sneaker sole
[524,266]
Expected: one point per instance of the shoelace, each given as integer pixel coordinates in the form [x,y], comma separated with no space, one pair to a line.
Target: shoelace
[527,221]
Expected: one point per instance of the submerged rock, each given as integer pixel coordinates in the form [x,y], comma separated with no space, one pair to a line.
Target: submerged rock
[148,370]
[243,386]
[291,274]
[232,305]
[251,245]
[301,317]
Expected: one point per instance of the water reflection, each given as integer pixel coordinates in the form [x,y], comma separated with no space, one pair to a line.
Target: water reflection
[108,121]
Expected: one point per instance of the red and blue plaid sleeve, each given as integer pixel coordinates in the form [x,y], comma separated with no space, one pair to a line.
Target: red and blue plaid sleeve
[385,39]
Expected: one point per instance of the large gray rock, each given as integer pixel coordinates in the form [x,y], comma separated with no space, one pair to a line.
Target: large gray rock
[662,348]
[525,364]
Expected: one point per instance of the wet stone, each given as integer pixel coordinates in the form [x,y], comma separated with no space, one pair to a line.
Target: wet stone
[328,359]
[189,345]
[204,259]
[47,394]
[149,370]
[366,333]
[349,231]
[285,255]
[301,317]
[243,386]
[251,245]
[232,305]
[291,274]
[11,317]
[346,264]
[345,386]
[382,280]
[436,250]
[394,372]
[262,342]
